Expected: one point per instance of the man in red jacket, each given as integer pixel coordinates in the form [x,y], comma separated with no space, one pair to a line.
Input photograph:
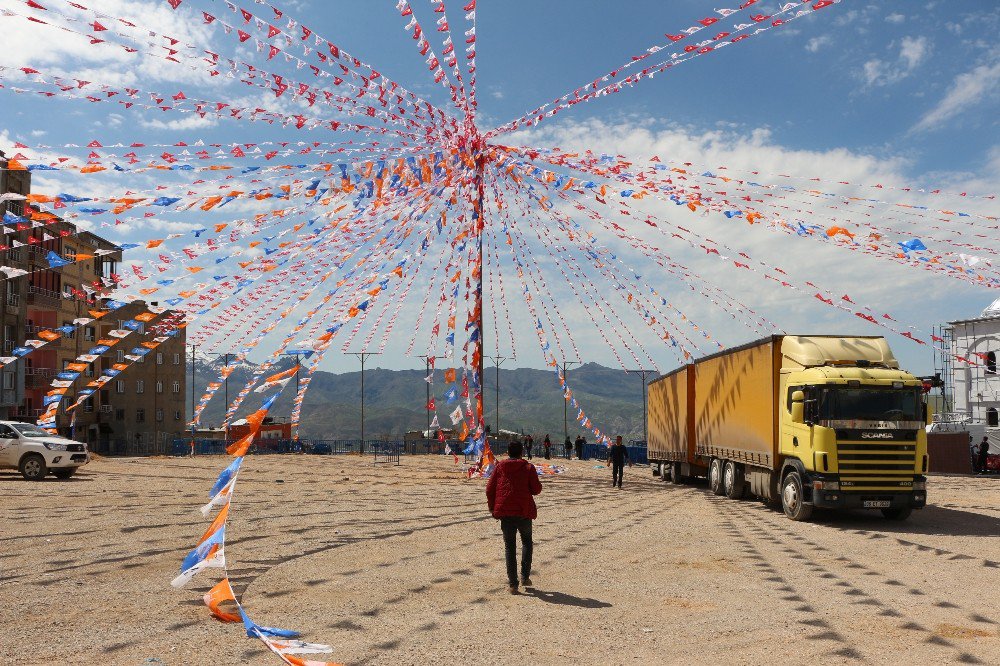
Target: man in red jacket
[509,493]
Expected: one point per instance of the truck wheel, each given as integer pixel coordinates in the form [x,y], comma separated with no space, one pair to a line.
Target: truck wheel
[715,477]
[64,473]
[792,500]
[897,512]
[33,467]
[731,481]
[675,474]
[657,470]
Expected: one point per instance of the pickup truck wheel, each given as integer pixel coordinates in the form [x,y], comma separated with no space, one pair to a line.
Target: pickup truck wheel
[731,481]
[64,473]
[675,474]
[897,512]
[715,477]
[33,467]
[792,500]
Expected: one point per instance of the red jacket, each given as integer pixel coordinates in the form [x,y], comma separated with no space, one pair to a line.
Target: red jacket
[510,489]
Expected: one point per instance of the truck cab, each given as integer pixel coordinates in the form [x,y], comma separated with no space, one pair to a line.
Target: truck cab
[852,430]
[35,452]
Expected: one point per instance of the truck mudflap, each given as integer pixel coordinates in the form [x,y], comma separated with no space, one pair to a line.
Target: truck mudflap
[827,497]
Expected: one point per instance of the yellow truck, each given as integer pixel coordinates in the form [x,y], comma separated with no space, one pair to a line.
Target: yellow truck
[808,420]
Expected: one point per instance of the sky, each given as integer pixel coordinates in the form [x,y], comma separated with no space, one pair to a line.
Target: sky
[900,93]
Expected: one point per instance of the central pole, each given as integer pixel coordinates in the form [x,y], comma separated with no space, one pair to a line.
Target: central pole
[565,367]
[480,230]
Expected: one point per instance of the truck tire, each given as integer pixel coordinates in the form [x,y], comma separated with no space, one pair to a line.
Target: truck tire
[675,474]
[64,473]
[33,467]
[792,500]
[732,481]
[715,477]
[897,512]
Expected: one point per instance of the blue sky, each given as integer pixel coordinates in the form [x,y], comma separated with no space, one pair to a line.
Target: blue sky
[900,92]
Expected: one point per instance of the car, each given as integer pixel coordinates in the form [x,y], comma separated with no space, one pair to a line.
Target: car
[35,452]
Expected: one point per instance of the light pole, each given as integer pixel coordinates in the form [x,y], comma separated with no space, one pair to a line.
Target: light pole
[363,355]
[645,427]
[225,380]
[498,361]
[298,368]
[565,368]
[427,371]
[194,350]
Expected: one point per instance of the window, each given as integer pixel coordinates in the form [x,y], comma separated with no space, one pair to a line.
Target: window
[177,359]
[71,334]
[159,358]
[992,418]
[140,386]
[8,332]
[991,363]
[177,415]
[88,333]
[176,388]
[90,370]
[120,356]
[120,386]
[159,415]
[8,380]
[88,406]
[140,415]
[138,438]
[119,414]
[159,387]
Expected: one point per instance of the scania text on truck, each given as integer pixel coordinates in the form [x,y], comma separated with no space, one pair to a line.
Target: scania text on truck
[810,421]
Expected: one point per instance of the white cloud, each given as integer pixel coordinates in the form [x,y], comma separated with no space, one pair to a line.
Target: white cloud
[912,52]
[192,121]
[816,43]
[895,17]
[966,90]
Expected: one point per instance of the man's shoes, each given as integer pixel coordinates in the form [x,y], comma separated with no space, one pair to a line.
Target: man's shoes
[527,582]
[513,589]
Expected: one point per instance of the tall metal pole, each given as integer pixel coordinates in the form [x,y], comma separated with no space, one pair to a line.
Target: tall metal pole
[565,401]
[363,356]
[645,419]
[427,370]
[194,350]
[225,357]
[480,230]
[498,360]
[298,368]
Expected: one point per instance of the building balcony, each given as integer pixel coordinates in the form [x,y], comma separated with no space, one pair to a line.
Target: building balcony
[43,297]
[25,413]
[35,378]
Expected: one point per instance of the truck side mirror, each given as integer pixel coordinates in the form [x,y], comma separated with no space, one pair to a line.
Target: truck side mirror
[798,407]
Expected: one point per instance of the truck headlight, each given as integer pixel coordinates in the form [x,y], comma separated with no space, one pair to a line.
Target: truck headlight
[52,446]
[826,485]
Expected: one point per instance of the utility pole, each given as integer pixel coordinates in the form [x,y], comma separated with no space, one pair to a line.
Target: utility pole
[225,356]
[427,370]
[645,425]
[498,361]
[565,369]
[298,367]
[194,350]
[363,355]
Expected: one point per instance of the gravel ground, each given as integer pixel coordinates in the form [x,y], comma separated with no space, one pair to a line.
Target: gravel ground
[402,565]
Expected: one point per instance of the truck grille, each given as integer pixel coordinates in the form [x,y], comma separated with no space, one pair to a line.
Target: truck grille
[868,466]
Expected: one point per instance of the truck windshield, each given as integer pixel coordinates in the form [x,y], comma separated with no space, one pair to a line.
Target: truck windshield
[869,404]
[29,430]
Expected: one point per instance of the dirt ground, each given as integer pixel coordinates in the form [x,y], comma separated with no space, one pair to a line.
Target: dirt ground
[403,565]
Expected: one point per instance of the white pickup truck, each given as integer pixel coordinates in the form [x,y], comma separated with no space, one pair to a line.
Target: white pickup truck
[34,452]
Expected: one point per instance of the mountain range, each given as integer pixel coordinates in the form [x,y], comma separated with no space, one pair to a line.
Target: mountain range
[530,401]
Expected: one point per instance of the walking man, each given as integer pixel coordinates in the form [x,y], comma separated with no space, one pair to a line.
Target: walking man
[568,448]
[617,457]
[547,445]
[530,442]
[984,451]
[510,495]
[579,447]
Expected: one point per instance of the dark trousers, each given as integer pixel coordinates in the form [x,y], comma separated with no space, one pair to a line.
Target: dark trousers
[579,452]
[548,451]
[510,527]
[617,471]
[981,464]
[528,451]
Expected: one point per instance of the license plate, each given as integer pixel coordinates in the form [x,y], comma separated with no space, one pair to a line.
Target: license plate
[877,504]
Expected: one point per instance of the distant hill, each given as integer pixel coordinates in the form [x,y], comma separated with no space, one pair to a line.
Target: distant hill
[530,400]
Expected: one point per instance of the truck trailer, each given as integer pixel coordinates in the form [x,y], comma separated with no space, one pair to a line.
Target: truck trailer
[808,420]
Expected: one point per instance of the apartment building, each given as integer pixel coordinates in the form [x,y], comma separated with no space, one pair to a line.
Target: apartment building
[12,310]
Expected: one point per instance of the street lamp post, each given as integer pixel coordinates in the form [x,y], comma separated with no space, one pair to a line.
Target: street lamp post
[498,361]
[565,368]
[363,356]
[645,426]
